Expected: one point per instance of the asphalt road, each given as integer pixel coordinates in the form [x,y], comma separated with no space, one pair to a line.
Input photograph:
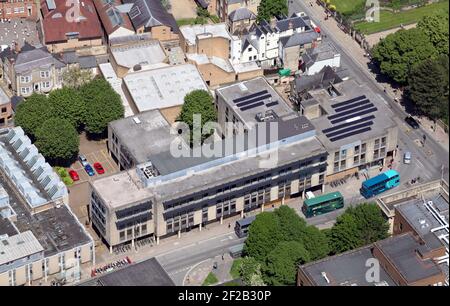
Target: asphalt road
[428,160]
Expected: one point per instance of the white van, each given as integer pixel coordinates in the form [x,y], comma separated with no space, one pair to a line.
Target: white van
[407,158]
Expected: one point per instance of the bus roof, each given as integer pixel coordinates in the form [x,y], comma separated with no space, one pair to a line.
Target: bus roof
[246,221]
[325,197]
[379,178]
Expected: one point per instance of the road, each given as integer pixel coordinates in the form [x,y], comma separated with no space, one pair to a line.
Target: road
[427,160]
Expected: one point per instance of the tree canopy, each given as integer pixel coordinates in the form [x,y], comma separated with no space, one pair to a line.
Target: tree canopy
[103,105]
[436,28]
[32,112]
[401,51]
[198,102]
[428,87]
[250,271]
[282,261]
[57,140]
[271,8]
[67,103]
[358,226]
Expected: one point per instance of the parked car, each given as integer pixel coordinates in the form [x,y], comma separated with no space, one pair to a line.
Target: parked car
[99,168]
[89,170]
[74,175]
[407,158]
[412,122]
[83,160]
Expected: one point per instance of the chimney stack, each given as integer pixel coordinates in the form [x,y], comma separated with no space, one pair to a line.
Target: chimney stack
[273,22]
[15,47]
[291,24]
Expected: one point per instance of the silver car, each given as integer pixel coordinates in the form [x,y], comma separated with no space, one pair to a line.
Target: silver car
[407,158]
[83,160]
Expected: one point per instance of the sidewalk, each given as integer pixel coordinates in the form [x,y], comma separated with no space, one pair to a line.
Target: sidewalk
[354,51]
[197,275]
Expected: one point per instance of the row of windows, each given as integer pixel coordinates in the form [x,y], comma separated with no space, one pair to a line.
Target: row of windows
[134,232]
[180,222]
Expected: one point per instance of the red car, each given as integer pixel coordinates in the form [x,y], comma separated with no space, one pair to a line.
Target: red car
[99,168]
[74,175]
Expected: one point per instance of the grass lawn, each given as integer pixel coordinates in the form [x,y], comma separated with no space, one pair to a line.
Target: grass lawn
[389,20]
[211,279]
[234,271]
[347,6]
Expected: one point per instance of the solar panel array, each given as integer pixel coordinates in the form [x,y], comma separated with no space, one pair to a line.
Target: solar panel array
[254,100]
[348,119]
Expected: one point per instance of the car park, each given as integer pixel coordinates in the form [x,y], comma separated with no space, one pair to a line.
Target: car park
[83,160]
[89,170]
[99,168]
[74,175]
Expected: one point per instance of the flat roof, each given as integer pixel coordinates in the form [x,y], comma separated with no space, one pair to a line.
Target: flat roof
[18,246]
[142,53]
[346,269]
[357,114]
[56,229]
[401,251]
[144,134]
[163,87]
[125,188]
[192,32]
[253,97]
[422,220]
[145,273]
[6,227]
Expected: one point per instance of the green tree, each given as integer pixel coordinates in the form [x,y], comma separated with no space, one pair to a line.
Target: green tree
[295,228]
[436,28]
[263,236]
[57,140]
[282,261]
[358,226]
[103,105]
[32,113]
[75,77]
[271,8]
[198,102]
[401,51]
[68,104]
[250,272]
[429,87]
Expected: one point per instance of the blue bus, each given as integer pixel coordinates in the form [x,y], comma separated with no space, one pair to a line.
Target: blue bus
[380,183]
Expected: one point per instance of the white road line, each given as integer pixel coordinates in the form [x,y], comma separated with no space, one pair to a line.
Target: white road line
[420,164]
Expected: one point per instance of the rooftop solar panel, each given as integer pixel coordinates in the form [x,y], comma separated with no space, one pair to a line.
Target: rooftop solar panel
[349,129]
[350,106]
[348,101]
[331,129]
[272,104]
[259,93]
[350,134]
[367,111]
[251,106]
[350,111]
[259,98]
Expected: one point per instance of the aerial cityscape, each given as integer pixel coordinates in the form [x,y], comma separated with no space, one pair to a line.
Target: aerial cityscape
[204,143]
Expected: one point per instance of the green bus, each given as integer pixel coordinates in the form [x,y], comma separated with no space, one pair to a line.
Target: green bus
[322,204]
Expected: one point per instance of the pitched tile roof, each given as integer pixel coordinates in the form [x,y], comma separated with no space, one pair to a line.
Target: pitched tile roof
[56,26]
[112,15]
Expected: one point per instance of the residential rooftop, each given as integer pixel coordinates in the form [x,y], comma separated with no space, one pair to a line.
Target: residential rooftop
[163,87]
[4,99]
[192,33]
[346,269]
[352,112]
[113,16]
[18,31]
[253,98]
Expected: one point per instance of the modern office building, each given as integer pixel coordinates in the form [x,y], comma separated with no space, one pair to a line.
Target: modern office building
[278,157]
[39,235]
[354,124]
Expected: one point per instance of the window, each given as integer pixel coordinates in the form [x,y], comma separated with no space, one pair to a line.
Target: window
[3,109]
[356,159]
[363,148]
[254,57]
[45,74]
[129,232]
[249,58]
[363,158]
[45,84]
[144,229]
[336,155]
[250,49]
[343,164]
[382,152]
[375,153]
[25,79]
[25,90]
[356,149]
[336,166]
[343,153]
[377,143]
[122,235]
[383,141]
